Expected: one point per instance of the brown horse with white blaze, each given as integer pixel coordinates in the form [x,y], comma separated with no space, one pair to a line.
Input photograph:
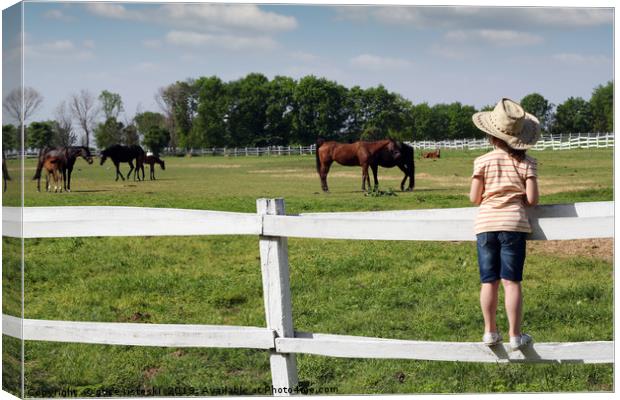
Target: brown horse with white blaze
[350,154]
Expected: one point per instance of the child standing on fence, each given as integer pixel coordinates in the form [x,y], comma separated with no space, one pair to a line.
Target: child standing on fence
[504,182]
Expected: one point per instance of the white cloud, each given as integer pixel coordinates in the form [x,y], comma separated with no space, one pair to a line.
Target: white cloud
[450,51]
[221,16]
[575,58]
[146,67]
[496,37]
[377,63]
[112,10]
[475,17]
[58,49]
[230,42]
[235,27]
[152,43]
[202,17]
[57,14]
[305,57]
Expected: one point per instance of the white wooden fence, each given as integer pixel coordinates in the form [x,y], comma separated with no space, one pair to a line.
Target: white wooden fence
[567,141]
[273,226]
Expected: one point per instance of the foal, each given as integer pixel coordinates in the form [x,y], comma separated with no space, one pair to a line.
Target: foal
[53,166]
[151,160]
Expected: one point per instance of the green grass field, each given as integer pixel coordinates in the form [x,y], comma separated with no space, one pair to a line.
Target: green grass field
[405,290]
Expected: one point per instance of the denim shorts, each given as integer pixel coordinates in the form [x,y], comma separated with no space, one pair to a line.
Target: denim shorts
[501,255]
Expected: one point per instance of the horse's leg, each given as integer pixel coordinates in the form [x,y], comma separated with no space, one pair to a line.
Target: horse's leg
[66,179]
[130,169]
[118,170]
[323,171]
[61,180]
[375,174]
[365,176]
[152,168]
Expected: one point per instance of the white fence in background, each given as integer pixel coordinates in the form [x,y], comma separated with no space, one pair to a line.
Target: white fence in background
[546,142]
[273,226]
[566,141]
[553,142]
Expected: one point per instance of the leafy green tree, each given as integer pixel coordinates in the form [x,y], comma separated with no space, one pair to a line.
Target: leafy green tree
[279,110]
[440,121]
[153,128]
[129,135]
[354,123]
[422,122]
[319,109]
[148,119]
[537,105]
[247,108]
[381,111]
[108,133]
[573,116]
[156,138]
[9,137]
[186,97]
[111,104]
[212,114]
[40,134]
[602,104]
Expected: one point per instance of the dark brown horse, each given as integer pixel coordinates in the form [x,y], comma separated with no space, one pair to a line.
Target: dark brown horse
[151,160]
[350,154]
[67,157]
[119,153]
[5,172]
[405,162]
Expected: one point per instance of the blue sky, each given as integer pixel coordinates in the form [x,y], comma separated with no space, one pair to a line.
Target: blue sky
[474,55]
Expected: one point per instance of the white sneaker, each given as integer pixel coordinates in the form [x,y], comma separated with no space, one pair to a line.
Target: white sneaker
[519,342]
[491,338]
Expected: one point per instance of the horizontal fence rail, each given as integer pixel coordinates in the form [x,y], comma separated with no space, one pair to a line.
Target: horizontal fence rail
[214,336]
[549,222]
[273,227]
[564,141]
[133,334]
[368,347]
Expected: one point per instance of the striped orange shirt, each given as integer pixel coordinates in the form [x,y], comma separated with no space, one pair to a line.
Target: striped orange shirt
[503,196]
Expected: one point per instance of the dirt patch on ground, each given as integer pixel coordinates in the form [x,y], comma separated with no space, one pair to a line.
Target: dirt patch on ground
[151,373]
[596,248]
[212,166]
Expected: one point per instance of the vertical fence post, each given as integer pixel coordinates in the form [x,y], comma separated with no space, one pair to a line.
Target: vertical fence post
[277,297]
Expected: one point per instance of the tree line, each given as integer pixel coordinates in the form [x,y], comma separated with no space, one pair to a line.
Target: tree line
[256,111]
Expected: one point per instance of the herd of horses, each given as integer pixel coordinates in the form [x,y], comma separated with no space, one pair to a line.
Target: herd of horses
[58,162]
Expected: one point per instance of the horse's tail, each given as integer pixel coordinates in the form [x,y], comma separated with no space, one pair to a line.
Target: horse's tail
[319,143]
[37,174]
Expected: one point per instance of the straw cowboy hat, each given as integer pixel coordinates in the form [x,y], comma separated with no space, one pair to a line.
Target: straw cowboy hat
[509,122]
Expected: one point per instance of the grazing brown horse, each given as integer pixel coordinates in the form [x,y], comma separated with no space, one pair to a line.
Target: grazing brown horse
[350,154]
[5,172]
[53,166]
[432,154]
[405,162]
[151,160]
